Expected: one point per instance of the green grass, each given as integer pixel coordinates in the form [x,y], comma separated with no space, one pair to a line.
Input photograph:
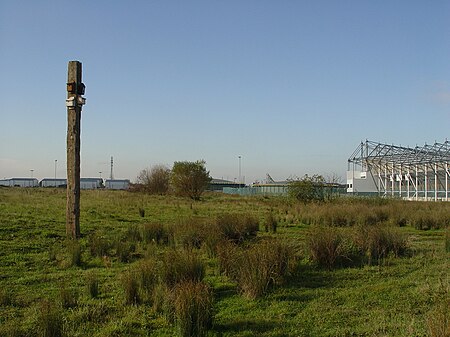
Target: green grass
[41,276]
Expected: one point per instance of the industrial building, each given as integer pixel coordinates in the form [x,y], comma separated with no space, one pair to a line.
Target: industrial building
[218,185]
[419,173]
[117,184]
[91,183]
[52,182]
[19,182]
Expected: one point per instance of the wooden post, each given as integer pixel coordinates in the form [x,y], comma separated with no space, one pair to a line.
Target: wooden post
[74,102]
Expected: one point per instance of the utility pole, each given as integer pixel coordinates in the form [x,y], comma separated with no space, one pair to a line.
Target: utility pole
[74,103]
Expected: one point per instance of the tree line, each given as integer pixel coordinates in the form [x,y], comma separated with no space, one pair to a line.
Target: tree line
[187,179]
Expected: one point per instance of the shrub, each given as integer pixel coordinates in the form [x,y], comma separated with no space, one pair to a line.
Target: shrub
[92,285]
[155,180]
[190,179]
[50,320]
[193,303]
[181,266]
[131,288]
[326,246]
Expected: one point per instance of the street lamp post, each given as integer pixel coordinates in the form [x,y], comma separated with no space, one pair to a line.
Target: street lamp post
[240,180]
[56,161]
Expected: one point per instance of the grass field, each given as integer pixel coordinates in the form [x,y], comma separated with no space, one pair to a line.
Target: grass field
[134,275]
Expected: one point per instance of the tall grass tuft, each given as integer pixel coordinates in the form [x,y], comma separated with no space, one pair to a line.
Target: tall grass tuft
[163,301]
[68,297]
[438,320]
[98,245]
[155,233]
[193,304]
[148,275]
[131,288]
[237,227]
[6,297]
[377,242]
[262,266]
[181,266]
[92,285]
[447,240]
[190,233]
[124,250]
[270,224]
[75,252]
[326,246]
[49,320]
[227,254]
[133,233]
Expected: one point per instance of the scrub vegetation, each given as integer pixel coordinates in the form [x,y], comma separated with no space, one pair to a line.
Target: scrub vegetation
[162,265]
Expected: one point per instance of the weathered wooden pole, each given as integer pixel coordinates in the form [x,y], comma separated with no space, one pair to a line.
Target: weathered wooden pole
[74,103]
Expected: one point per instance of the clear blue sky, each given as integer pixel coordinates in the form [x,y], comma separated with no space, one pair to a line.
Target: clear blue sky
[291,86]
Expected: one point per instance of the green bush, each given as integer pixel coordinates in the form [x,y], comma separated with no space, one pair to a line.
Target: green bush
[193,304]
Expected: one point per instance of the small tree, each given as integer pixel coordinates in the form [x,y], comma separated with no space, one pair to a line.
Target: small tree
[333,181]
[308,188]
[190,179]
[155,180]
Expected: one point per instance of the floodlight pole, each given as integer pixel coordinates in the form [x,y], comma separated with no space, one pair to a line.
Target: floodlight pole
[240,171]
[74,103]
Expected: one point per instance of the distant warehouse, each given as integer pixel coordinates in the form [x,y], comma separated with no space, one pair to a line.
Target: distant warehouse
[51,182]
[117,184]
[19,182]
[91,183]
